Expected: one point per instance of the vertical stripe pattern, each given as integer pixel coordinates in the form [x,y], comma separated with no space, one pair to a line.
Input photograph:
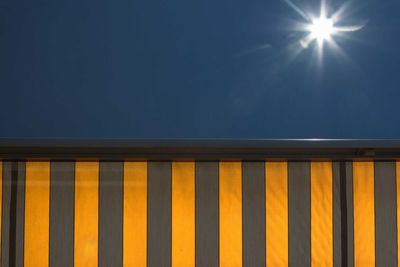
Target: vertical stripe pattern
[385,214]
[215,213]
[253,188]
[62,176]
[159,236]
[349,233]
[13,211]
[37,199]
[17,214]
[230,227]
[5,215]
[299,213]
[337,215]
[86,214]
[135,214]
[183,229]
[364,220]
[207,214]
[277,237]
[321,214]
[110,213]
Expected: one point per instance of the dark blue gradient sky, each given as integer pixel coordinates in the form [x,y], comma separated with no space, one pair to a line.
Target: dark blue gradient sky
[189,69]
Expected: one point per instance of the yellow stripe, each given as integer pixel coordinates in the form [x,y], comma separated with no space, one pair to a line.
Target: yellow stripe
[230,201]
[37,201]
[398,208]
[135,214]
[364,222]
[86,214]
[276,214]
[183,229]
[321,214]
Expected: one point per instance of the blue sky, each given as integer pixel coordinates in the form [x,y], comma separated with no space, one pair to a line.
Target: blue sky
[194,69]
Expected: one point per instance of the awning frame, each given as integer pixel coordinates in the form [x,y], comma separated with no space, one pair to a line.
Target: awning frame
[199,149]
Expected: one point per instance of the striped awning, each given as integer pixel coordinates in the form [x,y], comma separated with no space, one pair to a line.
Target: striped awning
[200,213]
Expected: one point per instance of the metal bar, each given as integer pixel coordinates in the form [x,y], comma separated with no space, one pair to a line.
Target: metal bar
[199,149]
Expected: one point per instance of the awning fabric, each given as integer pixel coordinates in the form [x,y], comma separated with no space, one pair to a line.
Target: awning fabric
[199,213]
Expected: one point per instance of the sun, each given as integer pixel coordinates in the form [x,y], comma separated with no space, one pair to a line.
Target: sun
[314,30]
[321,29]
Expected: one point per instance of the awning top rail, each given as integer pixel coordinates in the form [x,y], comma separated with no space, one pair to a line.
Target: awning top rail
[199,149]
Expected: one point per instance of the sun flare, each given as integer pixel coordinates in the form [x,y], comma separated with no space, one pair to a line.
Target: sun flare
[321,29]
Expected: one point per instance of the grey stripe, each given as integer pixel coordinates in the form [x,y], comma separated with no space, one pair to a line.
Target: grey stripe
[20,216]
[350,214]
[385,214]
[299,214]
[62,176]
[207,214]
[253,183]
[13,234]
[111,175]
[159,236]
[5,217]
[337,225]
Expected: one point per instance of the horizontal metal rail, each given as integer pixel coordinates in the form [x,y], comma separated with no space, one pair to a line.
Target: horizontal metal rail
[199,149]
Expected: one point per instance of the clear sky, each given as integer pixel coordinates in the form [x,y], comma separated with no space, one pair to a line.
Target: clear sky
[195,69]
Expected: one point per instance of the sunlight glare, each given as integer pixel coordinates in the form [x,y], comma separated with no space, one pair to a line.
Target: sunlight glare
[321,29]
